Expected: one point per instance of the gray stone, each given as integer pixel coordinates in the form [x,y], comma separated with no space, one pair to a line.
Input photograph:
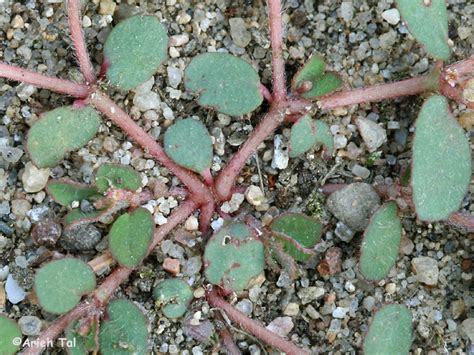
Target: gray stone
[280,153]
[30,325]
[343,232]
[392,16]
[347,10]
[80,238]
[426,270]
[354,205]
[360,171]
[372,134]
[245,306]
[15,292]
[309,294]
[238,31]
[468,328]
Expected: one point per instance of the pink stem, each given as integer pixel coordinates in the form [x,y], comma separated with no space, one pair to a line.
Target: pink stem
[253,327]
[207,176]
[226,337]
[102,294]
[407,87]
[54,84]
[266,93]
[73,14]
[462,220]
[200,192]
[225,180]
[276,39]
[205,216]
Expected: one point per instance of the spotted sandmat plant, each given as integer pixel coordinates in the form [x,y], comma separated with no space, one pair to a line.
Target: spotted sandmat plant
[234,256]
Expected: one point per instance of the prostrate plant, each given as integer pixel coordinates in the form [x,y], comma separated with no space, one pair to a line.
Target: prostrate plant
[234,256]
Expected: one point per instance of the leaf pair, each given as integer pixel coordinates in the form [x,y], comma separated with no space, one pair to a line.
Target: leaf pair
[108,176]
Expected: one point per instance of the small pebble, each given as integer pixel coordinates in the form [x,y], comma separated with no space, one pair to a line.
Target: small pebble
[392,16]
[171,265]
[239,33]
[254,195]
[191,224]
[292,309]
[281,326]
[426,270]
[15,292]
[81,237]
[34,179]
[339,312]
[372,134]
[30,325]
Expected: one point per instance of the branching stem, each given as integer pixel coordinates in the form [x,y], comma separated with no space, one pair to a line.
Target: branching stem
[253,327]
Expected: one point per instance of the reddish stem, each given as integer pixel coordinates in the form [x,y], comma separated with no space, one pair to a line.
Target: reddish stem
[103,293]
[266,93]
[276,39]
[226,337]
[205,216]
[225,180]
[54,84]
[75,28]
[199,191]
[253,327]
[406,87]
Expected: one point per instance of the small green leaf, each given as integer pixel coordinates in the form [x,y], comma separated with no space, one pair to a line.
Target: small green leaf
[306,133]
[82,344]
[9,334]
[174,295]
[65,191]
[134,50]
[130,237]
[318,81]
[224,82]
[381,243]
[441,169]
[77,216]
[60,284]
[233,257]
[390,332]
[60,131]
[427,21]
[117,177]
[124,331]
[304,230]
[189,144]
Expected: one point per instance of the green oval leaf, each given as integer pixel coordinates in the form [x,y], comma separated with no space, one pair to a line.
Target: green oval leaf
[174,295]
[226,83]
[306,133]
[441,169]
[304,230]
[189,144]
[428,24]
[233,257]
[313,81]
[9,334]
[117,177]
[124,331]
[60,131]
[65,191]
[381,243]
[130,237]
[134,50]
[60,284]
[390,331]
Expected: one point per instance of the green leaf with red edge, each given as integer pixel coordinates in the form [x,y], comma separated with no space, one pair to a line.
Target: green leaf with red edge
[234,256]
[306,133]
[189,144]
[65,191]
[390,331]
[117,176]
[381,243]
[77,216]
[313,81]
[60,131]
[134,50]
[427,21]
[9,334]
[124,331]
[305,231]
[224,82]
[441,167]
[130,237]
[60,284]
